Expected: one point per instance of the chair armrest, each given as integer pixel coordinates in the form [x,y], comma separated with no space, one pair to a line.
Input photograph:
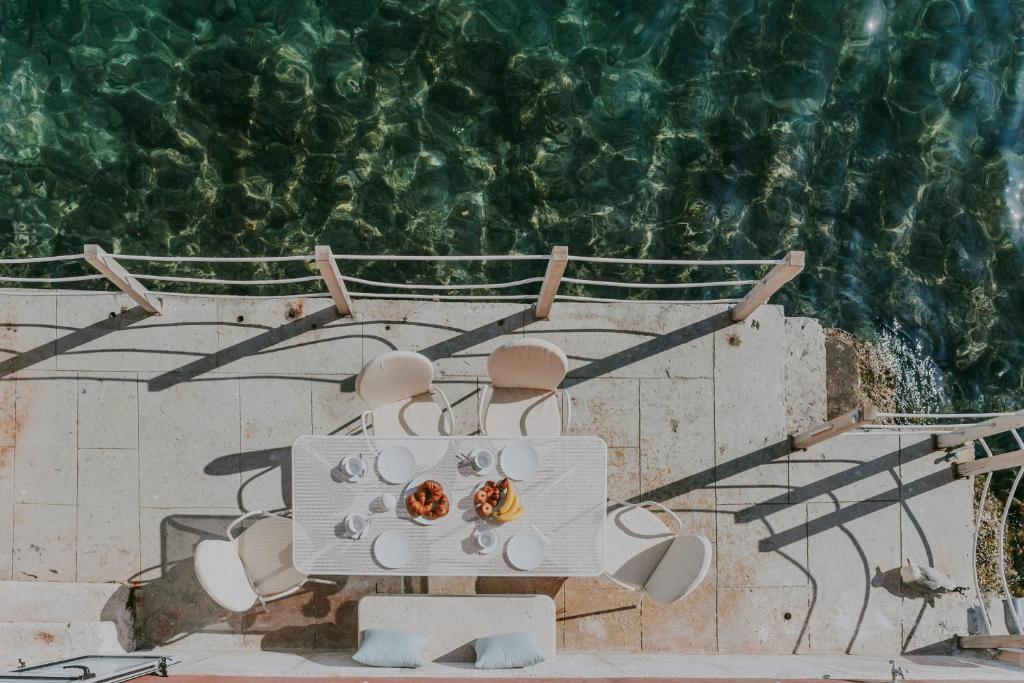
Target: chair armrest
[673,515]
[239,520]
[277,596]
[566,400]
[446,409]
[485,403]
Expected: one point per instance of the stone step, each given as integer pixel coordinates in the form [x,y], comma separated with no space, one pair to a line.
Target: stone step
[97,608]
[22,601]
[806,397]
[39,642]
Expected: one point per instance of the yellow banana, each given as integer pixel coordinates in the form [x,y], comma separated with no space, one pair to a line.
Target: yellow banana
[511,501]
[511,515]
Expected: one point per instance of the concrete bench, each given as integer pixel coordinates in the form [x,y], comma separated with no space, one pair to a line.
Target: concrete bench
[42,621]
[452,622]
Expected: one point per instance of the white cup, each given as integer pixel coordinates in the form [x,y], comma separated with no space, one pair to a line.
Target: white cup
[356,524]
[352,467]
[487,539]
[482,459]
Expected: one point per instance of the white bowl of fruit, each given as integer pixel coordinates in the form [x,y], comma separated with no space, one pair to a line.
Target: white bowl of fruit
[498,501]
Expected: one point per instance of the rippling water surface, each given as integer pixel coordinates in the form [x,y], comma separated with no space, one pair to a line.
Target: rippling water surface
[882,137]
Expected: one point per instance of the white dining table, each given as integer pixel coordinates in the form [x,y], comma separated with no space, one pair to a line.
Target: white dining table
[565,502]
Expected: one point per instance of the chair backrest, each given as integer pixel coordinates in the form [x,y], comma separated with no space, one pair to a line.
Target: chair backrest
[683,567]
[528,364]
[393,376]
[222,575]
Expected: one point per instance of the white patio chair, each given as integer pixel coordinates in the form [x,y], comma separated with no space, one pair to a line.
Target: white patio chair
[250,567]
[643,554]
[398,387]
[523,398]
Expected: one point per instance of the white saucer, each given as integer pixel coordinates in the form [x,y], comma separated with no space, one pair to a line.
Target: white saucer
[519,460]
[396,464]
[525,550]
[393,549]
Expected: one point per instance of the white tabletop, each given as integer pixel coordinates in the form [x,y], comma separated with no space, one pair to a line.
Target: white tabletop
[565,500]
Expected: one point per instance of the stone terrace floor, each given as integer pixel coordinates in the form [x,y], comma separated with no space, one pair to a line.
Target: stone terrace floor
[125,439]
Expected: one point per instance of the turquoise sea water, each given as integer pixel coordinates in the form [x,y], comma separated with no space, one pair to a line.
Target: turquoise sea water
[884,138]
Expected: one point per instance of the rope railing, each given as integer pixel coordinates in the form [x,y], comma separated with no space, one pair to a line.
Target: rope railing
[109,267]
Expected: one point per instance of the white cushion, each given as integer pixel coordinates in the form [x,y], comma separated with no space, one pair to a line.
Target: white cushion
[681,570]
[222,576]
[635,542]
[528,364]
[413,416]
[393,376]
[452,622]
[523,412]
[265,548]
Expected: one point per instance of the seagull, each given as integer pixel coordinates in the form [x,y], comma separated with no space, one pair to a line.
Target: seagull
[928,579]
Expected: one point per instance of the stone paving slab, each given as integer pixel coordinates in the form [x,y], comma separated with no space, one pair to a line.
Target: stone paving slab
[856,610]
[649,340]
[108,515]
[806,394]
[764,620]
[750,421]
[98,331]
[677,448]
[189,444]
[741,563]
[46,453]
[28,331]
[283,336]
[45,542]
[108,409]
[848,468]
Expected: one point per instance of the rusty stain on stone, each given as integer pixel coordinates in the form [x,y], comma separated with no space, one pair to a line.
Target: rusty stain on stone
[294,310]
[733,339]
[45,637]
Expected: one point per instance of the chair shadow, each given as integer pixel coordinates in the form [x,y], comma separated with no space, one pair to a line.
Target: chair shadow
[173,606]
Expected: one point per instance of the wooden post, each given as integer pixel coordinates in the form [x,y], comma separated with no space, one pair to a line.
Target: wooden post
[989,642]
[552,278]
[1003,461]
[769,284]
[860,415]
[332,276]
[122,279]
[996,425]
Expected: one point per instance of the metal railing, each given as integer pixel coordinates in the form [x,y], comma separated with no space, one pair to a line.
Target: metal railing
[111,267]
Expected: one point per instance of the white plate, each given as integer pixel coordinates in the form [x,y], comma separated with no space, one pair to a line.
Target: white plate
[525,550]
[519,460]
[393,549]
[409,489]
[396,464]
